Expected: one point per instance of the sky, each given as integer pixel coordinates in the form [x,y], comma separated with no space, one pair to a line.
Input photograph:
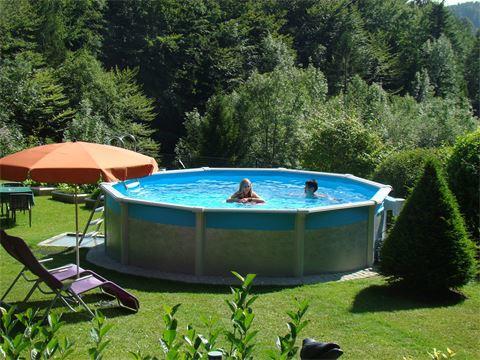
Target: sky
[454,2]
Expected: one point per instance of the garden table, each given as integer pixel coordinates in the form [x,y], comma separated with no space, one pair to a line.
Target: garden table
[6,191]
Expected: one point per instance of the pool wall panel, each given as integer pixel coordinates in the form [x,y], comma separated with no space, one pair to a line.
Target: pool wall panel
[163,247]
[266,253]
[335,249]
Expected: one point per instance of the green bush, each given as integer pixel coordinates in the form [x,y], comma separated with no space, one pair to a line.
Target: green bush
[403,168]
[32,100]
[464,174]
[89,88]
[95,193]
[263,121]
[38,340]
[428,247]
[343,146]
[402,122]
[82,189]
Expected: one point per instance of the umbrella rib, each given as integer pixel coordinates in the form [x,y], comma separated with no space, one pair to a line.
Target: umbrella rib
[91,157]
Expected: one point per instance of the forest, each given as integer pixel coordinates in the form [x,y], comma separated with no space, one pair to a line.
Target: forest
[468,10]
[330,85]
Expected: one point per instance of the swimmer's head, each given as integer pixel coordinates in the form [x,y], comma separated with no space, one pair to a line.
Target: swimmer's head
[311,186]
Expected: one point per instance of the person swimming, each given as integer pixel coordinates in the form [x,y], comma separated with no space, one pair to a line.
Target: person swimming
[245,194]
[311,186]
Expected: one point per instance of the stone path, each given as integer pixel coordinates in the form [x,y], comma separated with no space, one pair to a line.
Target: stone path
[97,257]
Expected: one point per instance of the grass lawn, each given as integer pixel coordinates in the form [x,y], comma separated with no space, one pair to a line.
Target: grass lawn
[366,317]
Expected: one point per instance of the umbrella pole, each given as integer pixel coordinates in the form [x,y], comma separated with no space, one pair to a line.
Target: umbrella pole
[77,249]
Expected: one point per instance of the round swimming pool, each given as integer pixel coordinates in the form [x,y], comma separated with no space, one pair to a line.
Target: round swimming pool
[178,222]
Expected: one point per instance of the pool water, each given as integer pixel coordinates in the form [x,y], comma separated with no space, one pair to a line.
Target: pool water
[210,190]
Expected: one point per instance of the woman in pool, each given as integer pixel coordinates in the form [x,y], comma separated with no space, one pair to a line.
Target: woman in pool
[245,194]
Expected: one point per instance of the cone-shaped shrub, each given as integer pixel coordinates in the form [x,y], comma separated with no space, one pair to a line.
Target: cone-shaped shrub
[428,248]
[464,178]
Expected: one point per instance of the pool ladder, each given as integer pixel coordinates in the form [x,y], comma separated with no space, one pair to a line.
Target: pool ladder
[97,222]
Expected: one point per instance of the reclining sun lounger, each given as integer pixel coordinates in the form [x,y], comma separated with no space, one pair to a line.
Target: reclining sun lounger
[63,281]
[61,273]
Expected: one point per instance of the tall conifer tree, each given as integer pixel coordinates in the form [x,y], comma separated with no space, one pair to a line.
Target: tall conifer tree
[428,248]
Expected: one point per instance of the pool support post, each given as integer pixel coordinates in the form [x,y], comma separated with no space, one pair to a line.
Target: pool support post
[199,242]
[105,217]
[370,235]
[299,243]
[124,233]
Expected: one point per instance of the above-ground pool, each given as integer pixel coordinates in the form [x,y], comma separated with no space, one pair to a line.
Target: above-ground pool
[178,223]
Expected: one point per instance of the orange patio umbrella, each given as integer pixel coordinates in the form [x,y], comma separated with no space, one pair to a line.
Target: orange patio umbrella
[76,163]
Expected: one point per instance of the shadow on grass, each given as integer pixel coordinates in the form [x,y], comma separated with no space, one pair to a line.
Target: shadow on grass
[95,301]
[7,223]
[84,207]
[392,297]
[142,284]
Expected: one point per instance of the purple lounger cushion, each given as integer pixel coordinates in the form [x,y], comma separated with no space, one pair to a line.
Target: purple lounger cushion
[66,272]
[126,299]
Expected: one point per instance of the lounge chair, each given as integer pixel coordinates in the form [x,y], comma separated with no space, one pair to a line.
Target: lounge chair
[63,282]
[61,273]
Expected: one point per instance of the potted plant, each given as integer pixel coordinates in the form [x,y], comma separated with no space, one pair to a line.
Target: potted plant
[66,193]
[91,200]
[38,188]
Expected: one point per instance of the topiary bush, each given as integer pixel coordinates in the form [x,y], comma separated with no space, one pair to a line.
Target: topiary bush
[428,247]
[464,177]
[402,169]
